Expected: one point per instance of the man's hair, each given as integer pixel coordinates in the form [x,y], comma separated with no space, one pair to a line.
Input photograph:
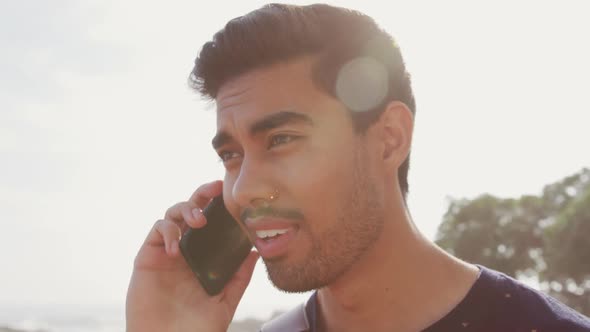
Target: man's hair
[277,33]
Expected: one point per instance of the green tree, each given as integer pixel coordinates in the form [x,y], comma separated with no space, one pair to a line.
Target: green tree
[543,236]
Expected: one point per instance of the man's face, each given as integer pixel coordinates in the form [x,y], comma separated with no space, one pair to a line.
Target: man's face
[280,136]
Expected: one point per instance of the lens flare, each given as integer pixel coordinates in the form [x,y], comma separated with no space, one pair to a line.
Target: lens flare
[362,84]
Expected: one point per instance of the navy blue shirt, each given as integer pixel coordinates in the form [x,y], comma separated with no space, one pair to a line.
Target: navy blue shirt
[498,303]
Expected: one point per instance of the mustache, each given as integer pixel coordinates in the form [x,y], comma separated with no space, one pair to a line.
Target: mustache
[268,211]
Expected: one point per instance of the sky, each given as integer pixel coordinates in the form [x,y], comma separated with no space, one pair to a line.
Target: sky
[100,134]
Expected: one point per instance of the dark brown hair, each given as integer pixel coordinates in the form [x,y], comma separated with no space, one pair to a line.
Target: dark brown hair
[279,33]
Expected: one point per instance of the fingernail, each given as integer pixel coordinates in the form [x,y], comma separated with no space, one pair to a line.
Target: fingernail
[197,213]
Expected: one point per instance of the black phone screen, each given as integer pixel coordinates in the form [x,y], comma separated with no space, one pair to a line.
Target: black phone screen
[215,251]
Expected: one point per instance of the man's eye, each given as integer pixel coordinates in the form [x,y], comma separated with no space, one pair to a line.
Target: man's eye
[280,139]
[228,155]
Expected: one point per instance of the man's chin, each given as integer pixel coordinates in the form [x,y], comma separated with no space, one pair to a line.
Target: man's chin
[291,279]
[288,286]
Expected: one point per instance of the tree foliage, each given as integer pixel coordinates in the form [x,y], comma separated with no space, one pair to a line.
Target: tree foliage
[544,237]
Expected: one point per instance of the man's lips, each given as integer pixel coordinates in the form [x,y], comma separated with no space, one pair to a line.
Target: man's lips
[268,225]
[271,235]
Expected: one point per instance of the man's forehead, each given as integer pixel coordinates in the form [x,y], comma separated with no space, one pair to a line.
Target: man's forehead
[257,94]
[281,78]
[236,91]
[285,88]
[242,113]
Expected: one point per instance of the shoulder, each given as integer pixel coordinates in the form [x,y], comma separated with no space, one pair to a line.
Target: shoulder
[294,320]
[519,302]
[299,319]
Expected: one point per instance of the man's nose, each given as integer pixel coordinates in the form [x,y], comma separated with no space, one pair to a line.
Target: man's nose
[253,187]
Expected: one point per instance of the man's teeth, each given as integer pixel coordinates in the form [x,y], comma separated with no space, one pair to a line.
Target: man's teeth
[270,233]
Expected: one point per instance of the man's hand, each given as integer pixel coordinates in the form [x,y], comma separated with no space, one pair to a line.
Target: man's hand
[164,294]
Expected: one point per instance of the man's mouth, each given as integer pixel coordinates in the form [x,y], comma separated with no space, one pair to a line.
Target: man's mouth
[270,234]
[272,237]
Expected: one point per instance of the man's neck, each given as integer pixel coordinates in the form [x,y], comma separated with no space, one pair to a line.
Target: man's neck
[402,283]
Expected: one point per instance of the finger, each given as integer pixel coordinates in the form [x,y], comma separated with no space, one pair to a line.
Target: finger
[186,212]
[167,234]
[235,288]
[190,211]
[206,192]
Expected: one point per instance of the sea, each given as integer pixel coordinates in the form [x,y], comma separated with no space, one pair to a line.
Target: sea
[62,318]
[82,318]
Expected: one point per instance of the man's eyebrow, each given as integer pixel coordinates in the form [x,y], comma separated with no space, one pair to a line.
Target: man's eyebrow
[267,123]
[279,119]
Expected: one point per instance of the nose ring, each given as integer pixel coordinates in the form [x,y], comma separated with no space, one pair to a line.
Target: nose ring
[274,195]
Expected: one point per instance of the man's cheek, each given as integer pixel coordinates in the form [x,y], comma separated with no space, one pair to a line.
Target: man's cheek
[228,199]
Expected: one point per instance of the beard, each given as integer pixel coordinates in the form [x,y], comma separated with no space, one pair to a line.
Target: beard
[334,251]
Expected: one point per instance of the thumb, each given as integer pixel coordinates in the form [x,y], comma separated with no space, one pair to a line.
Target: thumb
[235,288]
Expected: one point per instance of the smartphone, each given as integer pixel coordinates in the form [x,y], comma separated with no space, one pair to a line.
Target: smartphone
[215,251]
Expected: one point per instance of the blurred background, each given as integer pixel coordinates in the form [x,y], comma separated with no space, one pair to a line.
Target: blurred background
[100,134]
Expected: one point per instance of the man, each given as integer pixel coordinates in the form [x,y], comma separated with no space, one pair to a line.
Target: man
[314,127]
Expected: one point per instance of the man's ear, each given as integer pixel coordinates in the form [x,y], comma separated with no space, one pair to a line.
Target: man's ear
[395,127]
